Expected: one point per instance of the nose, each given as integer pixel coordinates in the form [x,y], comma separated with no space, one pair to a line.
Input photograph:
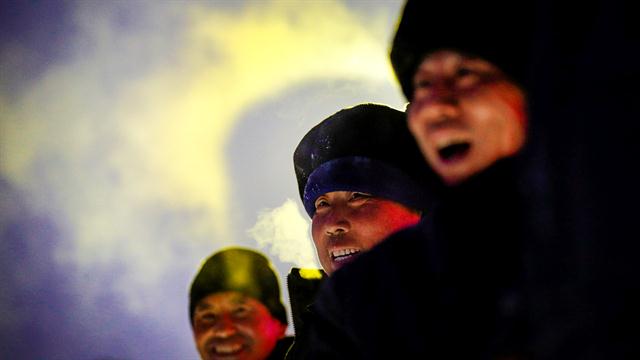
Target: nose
[441,103]
[225,328]
[337,223]
[435,114]
[444,92]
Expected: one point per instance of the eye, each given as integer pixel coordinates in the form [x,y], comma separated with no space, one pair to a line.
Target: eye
[474,73]
[422,84]
[467,77]
[359,196]
[241,312]
[205,320]
[321,202]
[463,71]
[208,316]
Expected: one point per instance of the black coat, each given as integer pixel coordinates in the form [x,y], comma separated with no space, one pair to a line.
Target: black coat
[282,346]
[447,288]
[584,278]
[302,293]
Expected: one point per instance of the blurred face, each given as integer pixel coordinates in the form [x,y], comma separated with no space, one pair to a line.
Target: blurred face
[232,326]
[465,115]
[347,223]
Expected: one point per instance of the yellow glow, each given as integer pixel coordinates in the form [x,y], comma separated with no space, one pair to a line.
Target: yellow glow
[97,148]
[256,54]
[310,274]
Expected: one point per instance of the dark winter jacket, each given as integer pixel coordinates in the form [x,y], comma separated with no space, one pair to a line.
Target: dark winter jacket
[282,346]
[447,288]
[302,292]
[586,120]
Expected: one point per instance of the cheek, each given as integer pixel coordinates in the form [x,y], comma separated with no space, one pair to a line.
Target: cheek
[272,329]
[417,128]
[514,99]
[416,125]
[511,125]
[200,331]
[249,327]
[266,336]
[483,117]
[400,218]
[387,221]
[413,124]
[493,118]
[201,338]
[319,241]
[508,105]
[316,232]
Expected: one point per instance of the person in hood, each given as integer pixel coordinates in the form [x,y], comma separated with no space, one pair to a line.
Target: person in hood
[361,178]
[235,308]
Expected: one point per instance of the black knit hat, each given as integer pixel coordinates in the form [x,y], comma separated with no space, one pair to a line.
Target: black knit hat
[242,270]
[496,31]
[365,148]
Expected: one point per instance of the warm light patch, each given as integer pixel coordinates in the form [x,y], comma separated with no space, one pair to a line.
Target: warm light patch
[123,143]
[310,274]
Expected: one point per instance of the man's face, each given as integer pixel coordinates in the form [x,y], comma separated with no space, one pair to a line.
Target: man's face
[347,222]
[233,326]
[465,115]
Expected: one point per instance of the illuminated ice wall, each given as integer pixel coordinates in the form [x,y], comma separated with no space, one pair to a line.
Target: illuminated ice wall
[136,138]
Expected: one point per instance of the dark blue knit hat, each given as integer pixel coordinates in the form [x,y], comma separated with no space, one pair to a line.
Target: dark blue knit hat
[242,270]
[497,31]
[365,148]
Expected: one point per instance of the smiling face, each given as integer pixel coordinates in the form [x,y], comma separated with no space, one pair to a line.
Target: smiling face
[347,223]
[232,326]
[465,115]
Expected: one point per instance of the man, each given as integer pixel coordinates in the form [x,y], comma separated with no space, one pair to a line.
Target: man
[235,308]
[465,114]
[361,177]
[579,289]
[450,287]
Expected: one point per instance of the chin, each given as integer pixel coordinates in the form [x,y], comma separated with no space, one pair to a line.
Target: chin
[454,180]
[455,176]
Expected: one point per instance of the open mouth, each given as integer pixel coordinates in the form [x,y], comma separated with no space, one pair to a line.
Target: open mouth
[454,151]
[344,255]
[226,349]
